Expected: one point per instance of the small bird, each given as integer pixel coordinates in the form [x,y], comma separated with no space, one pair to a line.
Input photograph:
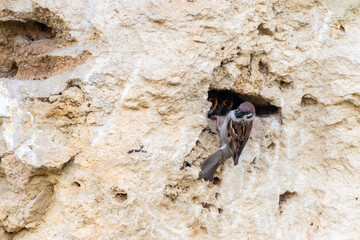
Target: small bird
[219,107]
[234,133]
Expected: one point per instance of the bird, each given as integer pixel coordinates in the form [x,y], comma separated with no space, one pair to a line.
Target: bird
[219,107]
[222,101]
[234,133]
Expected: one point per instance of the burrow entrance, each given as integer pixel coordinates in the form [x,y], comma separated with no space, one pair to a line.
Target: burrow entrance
[228,100]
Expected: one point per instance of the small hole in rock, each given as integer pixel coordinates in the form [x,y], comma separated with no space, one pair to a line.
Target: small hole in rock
[216,181]
[206,205]
[222,48]
[220,210]
[185,164]
[285,196]
[31,29]
[263,68]
[311,224]
[30,43]
[8,70]
[355,198]
[121,197]
[264,30]
[308,100]
[285,85]
[271,146]
[217,195]
[77,184]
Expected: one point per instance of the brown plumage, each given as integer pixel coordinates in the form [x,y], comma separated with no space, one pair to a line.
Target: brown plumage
[234,133]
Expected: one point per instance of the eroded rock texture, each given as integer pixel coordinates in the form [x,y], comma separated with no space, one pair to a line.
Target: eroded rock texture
[103,119]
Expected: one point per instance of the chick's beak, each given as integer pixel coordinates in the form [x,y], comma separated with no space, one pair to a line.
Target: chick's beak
[210,112]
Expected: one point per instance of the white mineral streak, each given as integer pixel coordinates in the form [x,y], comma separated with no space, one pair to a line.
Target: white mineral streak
[9,110]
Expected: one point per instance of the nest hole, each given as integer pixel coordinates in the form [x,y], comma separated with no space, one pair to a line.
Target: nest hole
[225,100]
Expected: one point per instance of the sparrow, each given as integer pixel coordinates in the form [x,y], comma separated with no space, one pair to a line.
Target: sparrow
[234,133]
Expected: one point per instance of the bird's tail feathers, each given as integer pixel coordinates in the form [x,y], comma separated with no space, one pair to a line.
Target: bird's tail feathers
[209,166]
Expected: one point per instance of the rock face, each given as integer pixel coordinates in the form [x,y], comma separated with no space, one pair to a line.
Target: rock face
[103,109]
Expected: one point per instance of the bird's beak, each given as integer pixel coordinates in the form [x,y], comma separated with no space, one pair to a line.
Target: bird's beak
[250,115]
[210,112]
[239,113]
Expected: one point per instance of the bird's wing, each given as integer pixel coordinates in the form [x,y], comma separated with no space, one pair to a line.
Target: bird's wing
[238,134]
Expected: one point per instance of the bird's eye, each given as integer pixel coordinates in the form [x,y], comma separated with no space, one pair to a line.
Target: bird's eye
[214,102]
[228,103]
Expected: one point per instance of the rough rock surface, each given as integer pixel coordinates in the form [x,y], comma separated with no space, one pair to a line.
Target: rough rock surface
[103,119]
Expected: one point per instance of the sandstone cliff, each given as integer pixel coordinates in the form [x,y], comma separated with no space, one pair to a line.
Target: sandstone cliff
[103,119]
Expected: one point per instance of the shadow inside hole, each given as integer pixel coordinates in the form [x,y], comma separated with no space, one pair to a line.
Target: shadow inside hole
[262,106]
[76,184]
[207,205]
[31,29]
[185,165]
[8,71]
[271,146]
[308,100]
[216,181]
[285,196]
[264,30]
[121,197]
[263,68]
[217,195]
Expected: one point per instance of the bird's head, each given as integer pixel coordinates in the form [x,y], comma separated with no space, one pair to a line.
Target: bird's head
[219,107]
[245,112]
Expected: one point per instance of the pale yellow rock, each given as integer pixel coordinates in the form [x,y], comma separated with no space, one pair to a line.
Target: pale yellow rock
[3,234]
[103,109]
